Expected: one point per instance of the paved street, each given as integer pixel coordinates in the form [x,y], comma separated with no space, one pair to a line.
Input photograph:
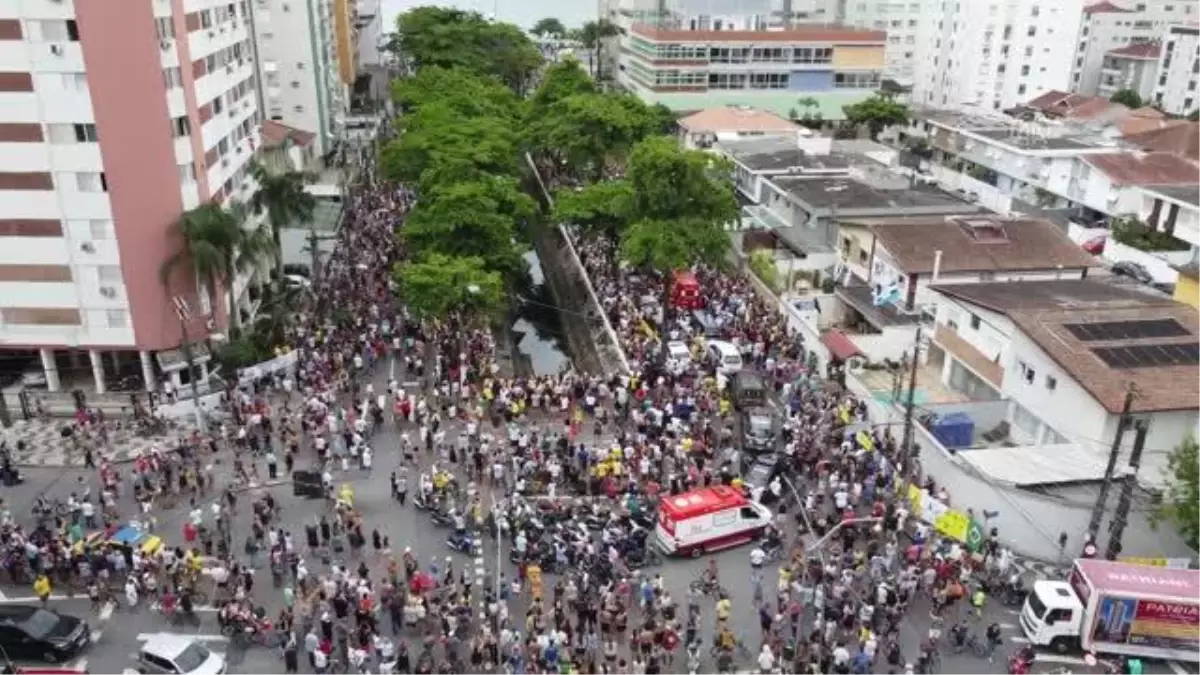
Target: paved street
[45,446]
[118,633]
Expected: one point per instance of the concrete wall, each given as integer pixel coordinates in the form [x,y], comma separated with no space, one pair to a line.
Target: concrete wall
[1028,523]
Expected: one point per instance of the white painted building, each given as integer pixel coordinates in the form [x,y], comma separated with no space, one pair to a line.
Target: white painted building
[298,62]
[1065,352]
[371,33]
[907,22]
[112,124]
[1105,26]
[1133,67]
[1179,70]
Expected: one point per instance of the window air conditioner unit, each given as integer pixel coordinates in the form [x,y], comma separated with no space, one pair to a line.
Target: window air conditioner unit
[87,247]
[108,291]
[225,163]
[56,50]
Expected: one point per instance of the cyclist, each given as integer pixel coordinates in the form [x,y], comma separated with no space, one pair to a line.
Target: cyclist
[994,639]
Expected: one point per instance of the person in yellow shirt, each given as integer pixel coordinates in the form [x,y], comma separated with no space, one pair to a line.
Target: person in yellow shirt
[41,588]
[724,608]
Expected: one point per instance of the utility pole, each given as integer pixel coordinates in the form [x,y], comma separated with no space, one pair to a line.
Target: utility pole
[1113,454]
[906,444]
[1129,482]
[185,314]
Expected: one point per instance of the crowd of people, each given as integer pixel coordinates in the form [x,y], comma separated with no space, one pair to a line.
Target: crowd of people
[499,456]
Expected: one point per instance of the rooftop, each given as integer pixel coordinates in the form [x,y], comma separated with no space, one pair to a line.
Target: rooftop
[977,243]
[1019,138]
[1138,50]
[870,193]
[1105,336]
[1067,105]
[827,33]
[1154,168]
[1104,7]
[1187,194]
[782,154]
[735,118]
[274,134]
[1171,136]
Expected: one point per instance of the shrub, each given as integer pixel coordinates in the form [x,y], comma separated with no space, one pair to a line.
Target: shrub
[762,263]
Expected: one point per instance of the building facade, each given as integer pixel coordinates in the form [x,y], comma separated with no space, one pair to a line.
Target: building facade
[307,51]
[1132,67]
[113,123]
[907,25]
[1108,26]
[703,61]
[1178,70]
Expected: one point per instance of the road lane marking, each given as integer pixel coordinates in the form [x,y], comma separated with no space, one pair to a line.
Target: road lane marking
[96,633]
[203,637]
[106,611]
[1061,659]
[1177,668]
[1019,639]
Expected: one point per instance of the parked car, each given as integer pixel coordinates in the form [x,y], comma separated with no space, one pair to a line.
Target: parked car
[758,429]
[169,654]
[679,357]
[725,356]
[749,390]
[1139,273]
[1095,245]
[758,473]
[29,632]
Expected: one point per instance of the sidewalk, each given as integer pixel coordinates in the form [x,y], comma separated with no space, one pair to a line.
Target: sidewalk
[45,446]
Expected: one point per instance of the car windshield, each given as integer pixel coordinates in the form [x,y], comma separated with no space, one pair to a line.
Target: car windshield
[191,658]
[760,426]
[1036,606]
[41,624]
[759,473]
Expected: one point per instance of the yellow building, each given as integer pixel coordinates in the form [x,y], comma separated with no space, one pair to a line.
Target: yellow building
[344,18]
[1187,289]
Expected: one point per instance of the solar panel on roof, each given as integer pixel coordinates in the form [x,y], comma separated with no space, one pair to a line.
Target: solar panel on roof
[1159,355]
[1126,330]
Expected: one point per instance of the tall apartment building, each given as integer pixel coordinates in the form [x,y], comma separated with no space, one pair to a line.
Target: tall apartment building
[371,32]
[1178,70]
[1107,26]
[694,55]
[113,121]
[906,23]
[307,60]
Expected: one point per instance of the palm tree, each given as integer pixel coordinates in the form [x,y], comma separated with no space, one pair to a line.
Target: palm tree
[217,247]
[592,35]
[284,200]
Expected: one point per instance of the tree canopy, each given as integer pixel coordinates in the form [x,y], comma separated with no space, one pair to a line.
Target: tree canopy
[449,38]
[877,113]
[1181,504]
[463,91]
[439,285]
[549,27]
[1127,97]
[561,79]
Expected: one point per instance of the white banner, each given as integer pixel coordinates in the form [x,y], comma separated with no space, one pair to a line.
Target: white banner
[258,370]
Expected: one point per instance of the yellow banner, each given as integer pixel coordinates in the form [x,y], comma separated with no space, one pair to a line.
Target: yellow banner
[864,439]
[953,524]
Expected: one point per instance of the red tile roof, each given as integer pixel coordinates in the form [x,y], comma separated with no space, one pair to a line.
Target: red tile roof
[275,133]
[1177,137]
[1073,106]
[1155,168]
[802,33]
[730,118]
[1103,8]
[1138,50]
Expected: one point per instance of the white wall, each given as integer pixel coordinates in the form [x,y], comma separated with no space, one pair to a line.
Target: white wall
[288,66]
[1177,84]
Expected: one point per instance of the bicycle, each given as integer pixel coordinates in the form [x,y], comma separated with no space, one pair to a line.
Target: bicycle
[978,647]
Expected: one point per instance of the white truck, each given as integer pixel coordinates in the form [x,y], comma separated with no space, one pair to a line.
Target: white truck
[1117,608]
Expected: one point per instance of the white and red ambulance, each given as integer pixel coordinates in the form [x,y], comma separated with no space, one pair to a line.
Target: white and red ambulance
[708,519]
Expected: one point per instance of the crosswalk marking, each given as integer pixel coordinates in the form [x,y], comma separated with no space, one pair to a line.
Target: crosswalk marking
[203,637]
[1177,668]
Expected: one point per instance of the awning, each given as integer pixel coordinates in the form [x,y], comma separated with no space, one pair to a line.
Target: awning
[839,345]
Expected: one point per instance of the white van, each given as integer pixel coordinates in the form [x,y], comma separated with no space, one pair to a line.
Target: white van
[725,355]
[171,654]
[708,519]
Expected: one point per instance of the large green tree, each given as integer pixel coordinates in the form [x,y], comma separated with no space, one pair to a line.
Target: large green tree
[561,79]
[477,219]
[459,89]
[593,35]
[1181,504]
[438,285]
[584,131]
[448,144]
[438,36]
[283,198]
[549,27]
[877,113]
[602,209]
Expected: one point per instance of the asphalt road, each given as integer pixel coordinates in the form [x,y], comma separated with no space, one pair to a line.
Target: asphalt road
[118,636]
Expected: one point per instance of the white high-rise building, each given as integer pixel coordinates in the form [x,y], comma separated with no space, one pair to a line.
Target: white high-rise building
[1178,70]
[307,60]
[906,22]
[992,55]
[1108,26]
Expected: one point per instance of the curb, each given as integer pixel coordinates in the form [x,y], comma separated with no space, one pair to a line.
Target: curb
[80,465]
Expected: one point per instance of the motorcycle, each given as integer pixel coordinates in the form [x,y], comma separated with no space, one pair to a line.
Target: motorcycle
[441,518]
[1014,592]
[465,544]
[647,558]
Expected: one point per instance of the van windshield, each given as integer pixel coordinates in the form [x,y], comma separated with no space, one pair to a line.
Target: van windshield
[1036,606]
[732,360]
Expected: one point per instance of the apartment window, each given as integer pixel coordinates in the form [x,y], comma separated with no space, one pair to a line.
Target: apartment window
[768,54]
[1024,71]
[812,55]
[100,229]
[218,105]
[1035,11]
[1187,104]
[85,133]
[1007,31]
[868,80]
[298,109]
[91,182]
[1021,90]
[72,30]
[187,173]
[768,80]
[1001,68]
[117,318]
[172,77]
[181,127]
[60,134]
[109,274]
[210,63]
[975,322]
[1032,31]
[1051,383]
[206,19]
[165,28]
[223,147]
[52,31]
[1028,374]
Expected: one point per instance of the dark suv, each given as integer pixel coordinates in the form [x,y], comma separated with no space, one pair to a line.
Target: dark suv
[759,430]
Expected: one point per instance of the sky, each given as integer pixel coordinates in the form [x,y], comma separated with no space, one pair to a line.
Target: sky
[524,13]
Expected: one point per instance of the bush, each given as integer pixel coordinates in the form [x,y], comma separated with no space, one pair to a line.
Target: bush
[762,263]
[1130,232]
[246,349]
